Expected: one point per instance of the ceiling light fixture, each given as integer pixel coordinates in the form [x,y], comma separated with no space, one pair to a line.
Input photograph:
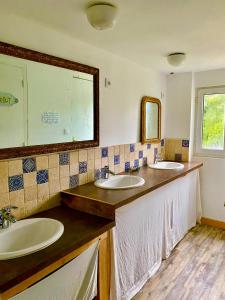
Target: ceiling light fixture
[176,59]
[101,15]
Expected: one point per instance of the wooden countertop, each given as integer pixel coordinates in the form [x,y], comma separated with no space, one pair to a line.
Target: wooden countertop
[79,229]
[103,202]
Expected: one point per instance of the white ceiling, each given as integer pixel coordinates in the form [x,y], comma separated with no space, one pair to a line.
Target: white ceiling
[146,30]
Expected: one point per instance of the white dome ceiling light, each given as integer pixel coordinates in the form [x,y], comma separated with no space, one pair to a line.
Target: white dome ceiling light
[176,59]
[102,15]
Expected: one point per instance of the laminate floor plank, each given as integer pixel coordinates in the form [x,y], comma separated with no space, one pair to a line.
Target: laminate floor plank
[194,271]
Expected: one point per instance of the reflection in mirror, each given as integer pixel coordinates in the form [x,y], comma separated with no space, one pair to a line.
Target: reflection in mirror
[43,104]
[150,120]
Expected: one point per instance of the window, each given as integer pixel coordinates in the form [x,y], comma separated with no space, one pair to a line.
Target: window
[210,117]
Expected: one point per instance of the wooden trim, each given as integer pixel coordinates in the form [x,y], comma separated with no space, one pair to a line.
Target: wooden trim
[214,223]
[144,139]
[32,55]
[51,268]
[104,267]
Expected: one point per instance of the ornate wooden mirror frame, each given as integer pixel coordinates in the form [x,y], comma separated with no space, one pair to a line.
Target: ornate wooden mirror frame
[144,139]
[6,153]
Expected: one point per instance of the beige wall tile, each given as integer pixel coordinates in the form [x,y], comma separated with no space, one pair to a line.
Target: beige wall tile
[111,160]
[31,208]
[91,154]
[74,169]
[15,167]
[117,169]
[30,193]
[42,162]
[110,151]
[4,200]
[116,150]
[54,200]
[29,179]
[91,165]
[104,162]
[73,157]
[91,176]
[53,160]
[4,185]
[122,150]
[98,163]
[127,149]
[17,198]
[4,169]
[64,171]
[54,186]
[43,191]
[82,155]
[83,178]
[53,173]
[64,183]
[97,153]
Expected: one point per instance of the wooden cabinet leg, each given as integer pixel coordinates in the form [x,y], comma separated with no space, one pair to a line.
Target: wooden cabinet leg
[104,264]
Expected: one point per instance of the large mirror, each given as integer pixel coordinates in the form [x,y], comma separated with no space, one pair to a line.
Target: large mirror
[150,120]
[46,103]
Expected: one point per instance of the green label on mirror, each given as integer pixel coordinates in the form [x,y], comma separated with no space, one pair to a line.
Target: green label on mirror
[7,99]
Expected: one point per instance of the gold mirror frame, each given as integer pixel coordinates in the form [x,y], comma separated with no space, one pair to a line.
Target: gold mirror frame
[144,140]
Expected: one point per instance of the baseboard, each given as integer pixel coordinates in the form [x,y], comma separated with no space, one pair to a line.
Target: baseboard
[214,223]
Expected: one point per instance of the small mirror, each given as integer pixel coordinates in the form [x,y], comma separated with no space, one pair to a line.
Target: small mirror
[150,120]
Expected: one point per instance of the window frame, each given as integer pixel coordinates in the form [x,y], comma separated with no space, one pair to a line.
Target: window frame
[200,92]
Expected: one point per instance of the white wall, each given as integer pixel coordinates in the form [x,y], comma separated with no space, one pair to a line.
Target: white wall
[213,171]
[120,103]
[178,105]
[180,123]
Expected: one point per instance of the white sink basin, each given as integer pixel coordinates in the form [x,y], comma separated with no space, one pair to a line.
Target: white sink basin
[167,165]
[118,182]
[28,236]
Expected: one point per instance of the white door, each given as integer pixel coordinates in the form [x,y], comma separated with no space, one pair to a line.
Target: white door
[12,117]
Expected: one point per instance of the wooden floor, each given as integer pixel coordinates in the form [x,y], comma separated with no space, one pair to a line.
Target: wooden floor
[194,271]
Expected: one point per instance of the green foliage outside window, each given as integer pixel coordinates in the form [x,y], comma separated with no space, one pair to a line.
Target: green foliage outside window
[213,122]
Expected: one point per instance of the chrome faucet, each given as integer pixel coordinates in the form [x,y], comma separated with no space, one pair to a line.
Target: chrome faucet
[157,158]
[106,172]
[6,218]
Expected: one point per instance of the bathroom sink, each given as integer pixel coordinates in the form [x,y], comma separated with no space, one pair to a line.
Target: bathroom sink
[118,182]
[167,165]
[28,236]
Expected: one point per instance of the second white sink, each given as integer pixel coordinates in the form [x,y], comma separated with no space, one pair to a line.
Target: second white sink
[118,182]
[167,165]
[28,236]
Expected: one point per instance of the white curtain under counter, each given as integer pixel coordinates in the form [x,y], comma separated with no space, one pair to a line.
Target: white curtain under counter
[148,229]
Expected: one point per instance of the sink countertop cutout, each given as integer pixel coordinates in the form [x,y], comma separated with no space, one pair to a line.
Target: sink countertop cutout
[167,165]
[118,182]
[29,236]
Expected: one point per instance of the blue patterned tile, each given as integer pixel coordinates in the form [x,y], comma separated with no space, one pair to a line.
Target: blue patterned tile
[42,176]
[74,181]
[148,146]
[136,163]
[116,159]
[64,158]
[82,167]
[185,143]
[144,161]
[127,166]
[105,152]
[162,143]
[98,174]
[15,183]
[140,154]
[29,165]
[132,147]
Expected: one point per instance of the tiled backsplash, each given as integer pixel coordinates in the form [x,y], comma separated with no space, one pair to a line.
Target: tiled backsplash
[175,149]
[34,183]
